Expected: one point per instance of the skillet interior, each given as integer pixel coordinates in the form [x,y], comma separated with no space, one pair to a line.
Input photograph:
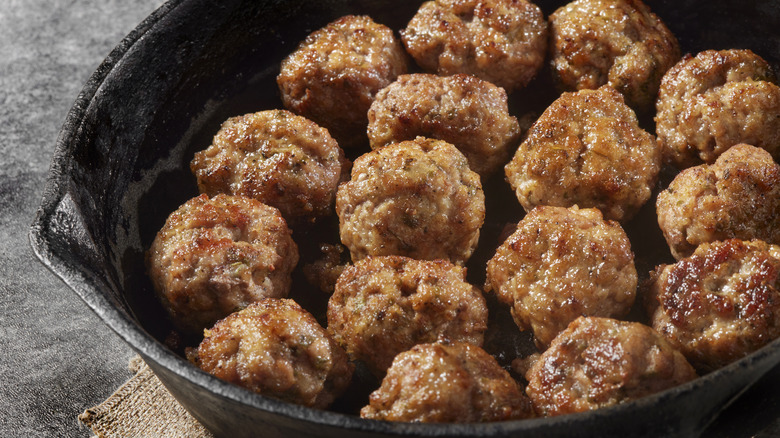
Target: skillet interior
[121,166]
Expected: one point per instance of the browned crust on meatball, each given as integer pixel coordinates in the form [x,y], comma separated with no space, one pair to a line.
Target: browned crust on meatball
[586,149]
[217,255]
[468,112]
[385,305]
[620,43]
[334,74]
[736,197]
[416,198]
[447,382]
[720,304]
[276,157]
[500,41]
[276,348]
[561,264]
[600,362]
[715,100]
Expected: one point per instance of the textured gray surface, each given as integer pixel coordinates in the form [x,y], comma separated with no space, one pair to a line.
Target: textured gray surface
[57,357]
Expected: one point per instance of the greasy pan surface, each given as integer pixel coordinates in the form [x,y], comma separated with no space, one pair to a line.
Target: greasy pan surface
[121,166]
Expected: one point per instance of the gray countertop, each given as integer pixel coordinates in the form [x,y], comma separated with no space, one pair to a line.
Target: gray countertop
[57,357]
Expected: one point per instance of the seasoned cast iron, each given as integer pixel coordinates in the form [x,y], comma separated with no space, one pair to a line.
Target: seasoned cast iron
[121,166]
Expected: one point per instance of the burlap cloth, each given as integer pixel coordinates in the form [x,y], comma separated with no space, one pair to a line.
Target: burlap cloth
[141,408]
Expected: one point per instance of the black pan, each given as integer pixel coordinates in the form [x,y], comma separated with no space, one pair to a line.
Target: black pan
[121,166]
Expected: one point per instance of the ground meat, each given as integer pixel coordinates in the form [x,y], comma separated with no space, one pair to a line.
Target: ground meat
[500,41]
[720,304]
[587,149]
[325,270]
[416,198]
[447,382]
[217,255]
[560,264]
[616,42]
[737,196]
[385,305]
[463,110]
[714,100]
[276,157]
[599,362]
[275,348]
[333,76]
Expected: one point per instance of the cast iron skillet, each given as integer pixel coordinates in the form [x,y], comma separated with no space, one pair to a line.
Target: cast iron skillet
[121,166]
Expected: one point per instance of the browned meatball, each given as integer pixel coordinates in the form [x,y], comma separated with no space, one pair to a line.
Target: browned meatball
[737,196]
[600,362]
[463,110]
[216,255]
[333,75]
[715,100]
[719,304]
[560,264]
[616,42]
[385,305]
[447,382]
[500,41]
[416,198]
[276,157]
[275,348]
[587,149]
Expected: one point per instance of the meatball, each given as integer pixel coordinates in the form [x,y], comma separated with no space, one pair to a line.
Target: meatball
[276,348]
[736,197]
[586,149]
[416,198]
[715,100]
[333,75]
[620,43]
[463,110]
[719,304]
[447,382]
[385,305]
[560,264]
[599,362]
[217,255]
[276,157]
[500,41]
